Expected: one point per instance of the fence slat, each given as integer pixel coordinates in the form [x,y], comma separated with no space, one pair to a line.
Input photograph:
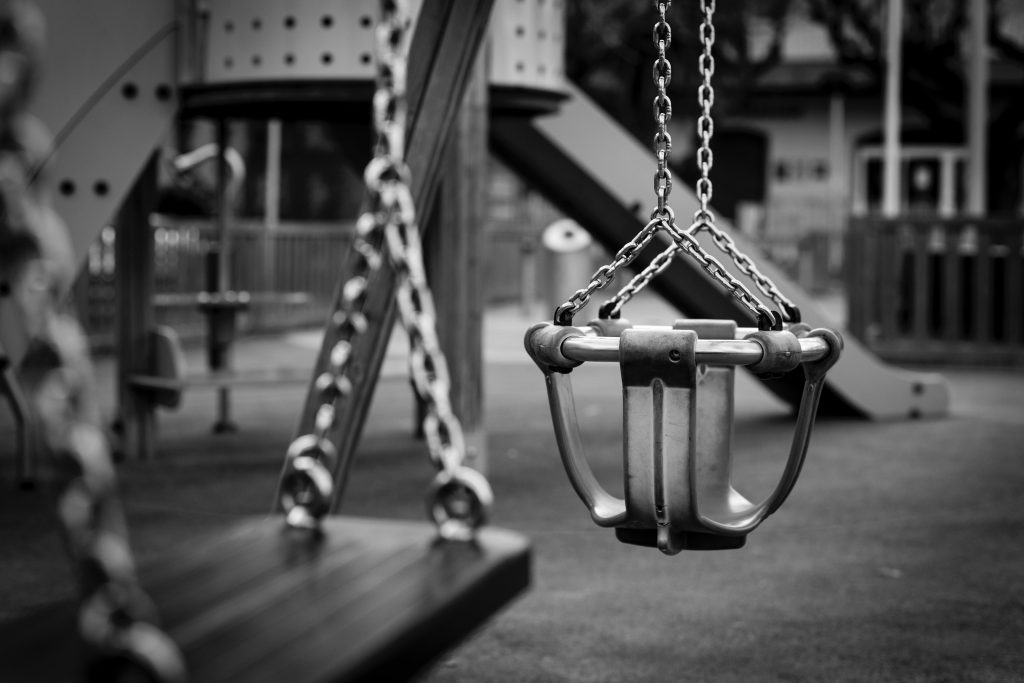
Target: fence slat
[854,267]
[1014,294]
[981,305]
[920,299]
[888,278]
[952,292]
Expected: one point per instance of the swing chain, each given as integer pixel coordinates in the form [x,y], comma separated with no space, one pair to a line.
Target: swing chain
[662,109]
[683,240]
[606,273]
[663,218]
[705,124]
[704,219]
[115,619]
[460,496]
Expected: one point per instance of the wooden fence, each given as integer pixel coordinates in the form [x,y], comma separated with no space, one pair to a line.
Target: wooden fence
[290,272]
[937,290]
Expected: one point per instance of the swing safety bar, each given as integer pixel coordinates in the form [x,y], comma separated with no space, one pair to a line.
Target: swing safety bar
[589,347]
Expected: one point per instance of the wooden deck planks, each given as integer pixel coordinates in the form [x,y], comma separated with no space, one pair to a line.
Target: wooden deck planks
[373,600]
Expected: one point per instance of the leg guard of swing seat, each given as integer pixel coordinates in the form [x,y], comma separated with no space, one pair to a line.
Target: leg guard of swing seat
[699,453]
[678,438]
[370,600]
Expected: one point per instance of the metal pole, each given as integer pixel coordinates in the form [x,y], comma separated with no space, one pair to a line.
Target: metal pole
[223,423]
[223,208]
[891,162]
[977,107]
[272,193]
[272,203]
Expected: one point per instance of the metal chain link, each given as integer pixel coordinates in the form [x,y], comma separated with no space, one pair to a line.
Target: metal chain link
[706,99]
[704,219]
[606,273]
[460,497]
[685,242]
[116,620]
[662,73]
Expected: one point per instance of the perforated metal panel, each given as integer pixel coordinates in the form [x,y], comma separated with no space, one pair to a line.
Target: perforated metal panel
[528,44]
[248,41]
[270,40]
[108,95]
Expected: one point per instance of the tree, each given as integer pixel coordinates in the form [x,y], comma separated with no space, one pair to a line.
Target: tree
[610,52]
[933,81]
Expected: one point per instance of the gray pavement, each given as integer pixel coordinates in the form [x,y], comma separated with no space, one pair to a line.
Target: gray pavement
[898,557]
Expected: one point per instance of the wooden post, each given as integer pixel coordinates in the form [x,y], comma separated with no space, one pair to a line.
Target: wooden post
[891,163]
[977,108]
[453,252]
[134,256]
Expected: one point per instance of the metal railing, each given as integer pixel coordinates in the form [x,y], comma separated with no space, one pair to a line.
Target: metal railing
[290,272]
[937,290]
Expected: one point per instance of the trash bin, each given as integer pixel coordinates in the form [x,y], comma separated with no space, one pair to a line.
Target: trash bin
[568,251]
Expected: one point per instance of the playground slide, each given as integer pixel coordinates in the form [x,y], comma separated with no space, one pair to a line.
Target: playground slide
[106,92]
[596,172]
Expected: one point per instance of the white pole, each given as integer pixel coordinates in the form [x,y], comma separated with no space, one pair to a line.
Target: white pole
[891,160]
[977,107]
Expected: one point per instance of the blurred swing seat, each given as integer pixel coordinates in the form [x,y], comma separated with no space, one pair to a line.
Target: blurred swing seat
[372,600]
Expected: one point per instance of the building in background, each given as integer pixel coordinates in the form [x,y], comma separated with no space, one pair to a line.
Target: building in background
[806,151]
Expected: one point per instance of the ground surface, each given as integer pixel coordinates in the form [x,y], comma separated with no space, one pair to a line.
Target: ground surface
[899,556]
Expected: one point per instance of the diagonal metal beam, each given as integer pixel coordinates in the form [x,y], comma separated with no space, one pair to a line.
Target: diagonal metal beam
[447,37]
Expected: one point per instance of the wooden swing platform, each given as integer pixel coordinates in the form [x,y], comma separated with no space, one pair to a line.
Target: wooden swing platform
[371,600]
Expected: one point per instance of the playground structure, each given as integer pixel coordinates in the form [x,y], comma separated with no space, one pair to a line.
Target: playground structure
[133,80]
[453,34]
